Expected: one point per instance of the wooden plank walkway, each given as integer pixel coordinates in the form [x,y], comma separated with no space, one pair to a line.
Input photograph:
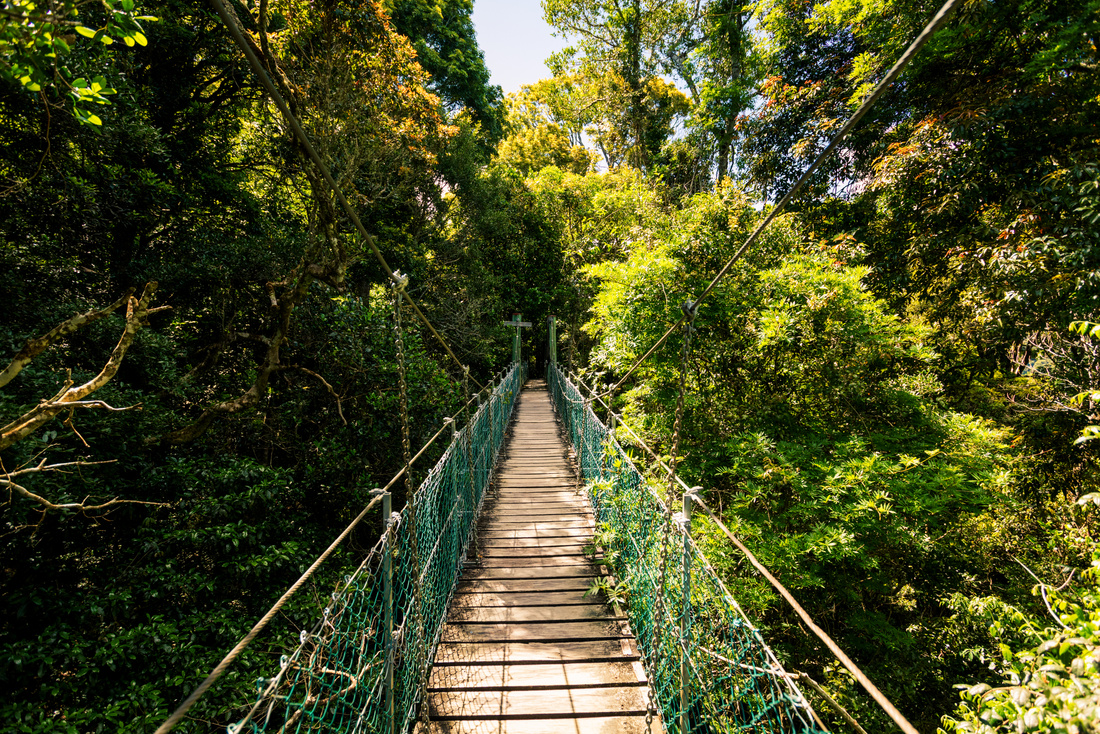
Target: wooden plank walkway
[524,651]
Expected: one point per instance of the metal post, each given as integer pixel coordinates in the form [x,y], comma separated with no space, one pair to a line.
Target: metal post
[515,340]
[553,340]
[389,721]
[584,436]
[685,613]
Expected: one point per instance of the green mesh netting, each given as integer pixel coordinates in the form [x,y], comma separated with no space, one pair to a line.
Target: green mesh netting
[709,667]
[363,666]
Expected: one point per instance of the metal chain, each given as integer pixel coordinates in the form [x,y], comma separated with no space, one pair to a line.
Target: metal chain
[411,500]
[689,308]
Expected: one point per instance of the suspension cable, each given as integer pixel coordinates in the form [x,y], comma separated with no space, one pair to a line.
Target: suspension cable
[925,35]
[303,139]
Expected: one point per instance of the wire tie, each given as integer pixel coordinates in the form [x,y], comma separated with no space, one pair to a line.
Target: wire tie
[284,661]
[260,683]
[400,280]
[327,609]
[302,637]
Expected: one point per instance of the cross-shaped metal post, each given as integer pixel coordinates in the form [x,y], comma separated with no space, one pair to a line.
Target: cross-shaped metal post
[515,322]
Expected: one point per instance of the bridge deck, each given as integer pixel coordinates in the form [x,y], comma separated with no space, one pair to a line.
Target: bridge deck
[524,651]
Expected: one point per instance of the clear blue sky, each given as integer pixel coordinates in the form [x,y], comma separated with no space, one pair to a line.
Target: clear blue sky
[515,40]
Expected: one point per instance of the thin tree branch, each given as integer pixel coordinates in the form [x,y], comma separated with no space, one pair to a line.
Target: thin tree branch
[42,466]
[70,396]
[324,382]
[34,347]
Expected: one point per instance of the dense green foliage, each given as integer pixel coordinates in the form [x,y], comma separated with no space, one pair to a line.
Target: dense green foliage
[265,394]
[884,395]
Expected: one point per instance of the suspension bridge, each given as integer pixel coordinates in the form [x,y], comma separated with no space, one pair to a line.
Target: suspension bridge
[474,612]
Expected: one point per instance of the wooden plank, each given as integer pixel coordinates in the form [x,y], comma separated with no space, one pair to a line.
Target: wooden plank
[473,598]
[522,544]
[497,553]
[561,613]
[535,561]
[586,630]
[514,507]
[529,676]
[582,535]
[531,572]
[562,701]
[586,725]
[463,653]
[575,583]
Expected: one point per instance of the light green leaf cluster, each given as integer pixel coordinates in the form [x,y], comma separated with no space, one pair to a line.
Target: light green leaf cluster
[36,43]
[1053,686]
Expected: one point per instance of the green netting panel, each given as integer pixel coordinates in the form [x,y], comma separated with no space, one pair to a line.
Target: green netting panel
[339,677]
[709,666]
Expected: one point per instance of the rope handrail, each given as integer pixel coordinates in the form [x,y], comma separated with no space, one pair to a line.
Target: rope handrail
[450,484]
[879,698]
[724,688]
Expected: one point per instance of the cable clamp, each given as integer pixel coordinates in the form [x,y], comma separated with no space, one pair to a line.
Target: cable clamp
[400,280]
[693,493]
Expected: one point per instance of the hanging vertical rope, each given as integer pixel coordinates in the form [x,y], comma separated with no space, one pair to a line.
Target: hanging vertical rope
[410,498]
[468,450]
[672,497]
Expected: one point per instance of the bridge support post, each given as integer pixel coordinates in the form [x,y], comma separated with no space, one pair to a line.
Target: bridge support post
[517,324]
[685,614]
[389,722]
[553,324]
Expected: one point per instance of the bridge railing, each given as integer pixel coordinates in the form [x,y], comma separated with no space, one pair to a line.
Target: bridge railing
[363,666]
[709,668]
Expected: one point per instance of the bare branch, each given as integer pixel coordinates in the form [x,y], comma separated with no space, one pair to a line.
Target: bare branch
[73,396]
[270,363]
[339,408]
[34,347]
[82,506]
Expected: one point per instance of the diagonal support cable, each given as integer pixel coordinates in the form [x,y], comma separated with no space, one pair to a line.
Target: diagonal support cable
[926,35]
[292,120]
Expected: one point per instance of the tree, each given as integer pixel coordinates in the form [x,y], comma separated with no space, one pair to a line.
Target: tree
[442,32]
[619,45]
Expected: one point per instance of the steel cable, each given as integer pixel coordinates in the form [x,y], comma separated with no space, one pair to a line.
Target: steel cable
[926,35]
